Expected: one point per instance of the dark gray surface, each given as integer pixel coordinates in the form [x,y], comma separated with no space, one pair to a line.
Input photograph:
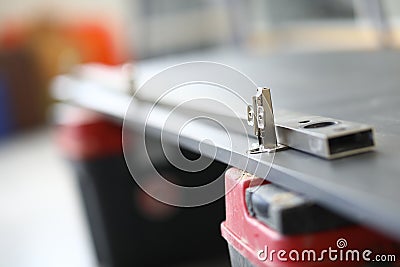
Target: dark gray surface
[289,213]
[353,86]
[362,87]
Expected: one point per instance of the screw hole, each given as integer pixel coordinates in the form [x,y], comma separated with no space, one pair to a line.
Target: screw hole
[320,124]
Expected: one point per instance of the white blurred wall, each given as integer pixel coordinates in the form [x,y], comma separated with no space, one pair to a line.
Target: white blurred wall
[29,8]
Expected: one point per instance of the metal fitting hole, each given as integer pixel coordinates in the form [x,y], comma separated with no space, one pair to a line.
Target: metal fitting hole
[320,124]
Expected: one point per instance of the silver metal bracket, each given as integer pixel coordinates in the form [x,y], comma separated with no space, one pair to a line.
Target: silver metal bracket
[323,137]
[260,115]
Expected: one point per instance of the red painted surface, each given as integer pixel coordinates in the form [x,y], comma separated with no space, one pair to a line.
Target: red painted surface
[89,138]
[247,235]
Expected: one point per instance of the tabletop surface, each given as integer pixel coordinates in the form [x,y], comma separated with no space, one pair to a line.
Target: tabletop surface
[349,85]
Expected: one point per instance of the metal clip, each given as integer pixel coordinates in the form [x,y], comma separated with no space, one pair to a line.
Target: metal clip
[260,115]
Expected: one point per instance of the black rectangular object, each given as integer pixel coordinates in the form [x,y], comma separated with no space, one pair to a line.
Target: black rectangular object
[350,142]
[124,236]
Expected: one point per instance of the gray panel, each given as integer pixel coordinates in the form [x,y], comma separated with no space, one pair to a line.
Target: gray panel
[354,86]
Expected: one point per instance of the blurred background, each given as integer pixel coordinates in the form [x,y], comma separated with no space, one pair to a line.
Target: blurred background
[42,221]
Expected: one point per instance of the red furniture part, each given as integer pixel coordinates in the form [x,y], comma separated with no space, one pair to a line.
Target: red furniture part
[250,239]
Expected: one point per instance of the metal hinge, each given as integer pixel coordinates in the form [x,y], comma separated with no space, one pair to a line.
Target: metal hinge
[260,115]
[323,137]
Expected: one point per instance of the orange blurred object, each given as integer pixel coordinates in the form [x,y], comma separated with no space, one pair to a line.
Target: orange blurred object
[56,43]
[48,47]
[94,43]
